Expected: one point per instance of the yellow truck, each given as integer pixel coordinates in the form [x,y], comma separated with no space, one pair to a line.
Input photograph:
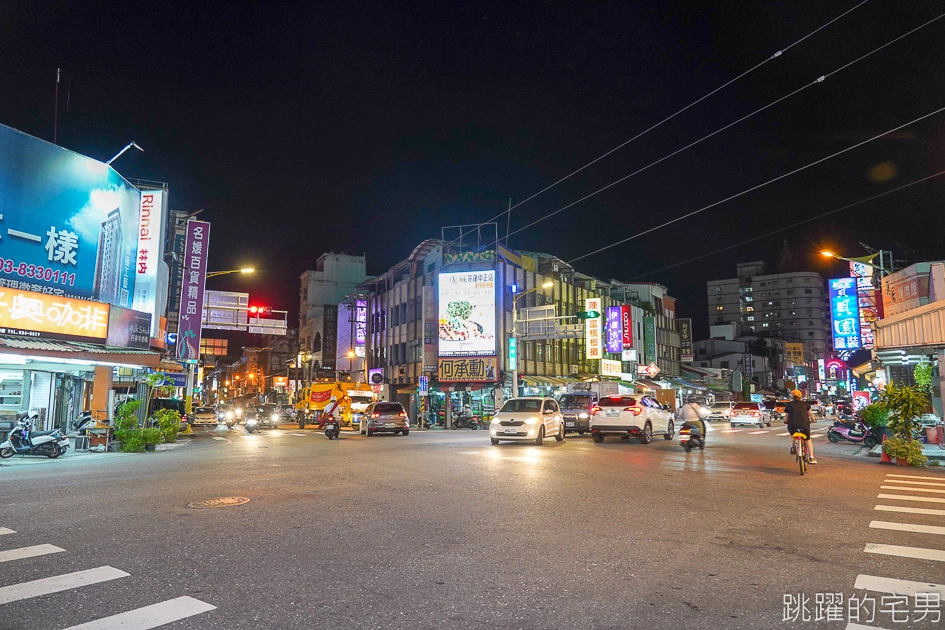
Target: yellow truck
[343,400]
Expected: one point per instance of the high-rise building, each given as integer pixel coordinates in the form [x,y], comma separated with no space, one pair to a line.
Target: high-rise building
[107,286]
[335,277]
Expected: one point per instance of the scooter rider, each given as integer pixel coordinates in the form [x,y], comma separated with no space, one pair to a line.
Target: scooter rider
[694,414]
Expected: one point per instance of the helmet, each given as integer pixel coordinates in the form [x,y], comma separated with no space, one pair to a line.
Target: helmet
[796,393]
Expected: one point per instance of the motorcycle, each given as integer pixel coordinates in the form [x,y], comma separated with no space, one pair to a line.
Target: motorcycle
[230,419]
[251,424]
[332,429]
[690,437]
[24,441]
[853,432]
[466,422]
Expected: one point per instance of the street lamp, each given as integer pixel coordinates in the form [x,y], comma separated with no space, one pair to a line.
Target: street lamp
[214,274]
[515,296]
[866,260]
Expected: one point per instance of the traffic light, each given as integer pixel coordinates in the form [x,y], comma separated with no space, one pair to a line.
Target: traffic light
[588,314]
[259,311]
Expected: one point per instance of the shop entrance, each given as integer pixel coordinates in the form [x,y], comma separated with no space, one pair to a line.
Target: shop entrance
[480,401]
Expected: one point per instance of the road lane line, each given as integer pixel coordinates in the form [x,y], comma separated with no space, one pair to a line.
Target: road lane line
[909,510]
[859,626]
[756,432]
[58,583]
[919,553]
[732,430]
[28,552]
[217,437]
[783,434]
[908,527]
[914,483]
[4,530]
[914,477]
[149,616]
[897,587]
[904,497]
[930,490]
[299,434]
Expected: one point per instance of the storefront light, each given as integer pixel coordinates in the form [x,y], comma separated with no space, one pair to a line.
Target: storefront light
[20,359]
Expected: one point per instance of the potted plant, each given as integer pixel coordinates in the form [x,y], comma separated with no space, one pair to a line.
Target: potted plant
[906,452]
[876,417]
[127,431]
[151,436]
[904,404]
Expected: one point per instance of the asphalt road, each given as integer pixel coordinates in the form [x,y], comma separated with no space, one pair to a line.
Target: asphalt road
[440,529]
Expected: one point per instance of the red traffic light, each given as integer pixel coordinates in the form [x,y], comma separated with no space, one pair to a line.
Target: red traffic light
[260,310]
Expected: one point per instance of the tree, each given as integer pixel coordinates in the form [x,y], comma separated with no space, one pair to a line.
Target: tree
[904,404]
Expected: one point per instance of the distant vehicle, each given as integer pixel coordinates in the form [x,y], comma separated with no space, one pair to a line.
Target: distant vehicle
[384,417]
[576,409]
[750,413]
[626,416]
[777,411]
[169,403]
[268,415]
[720,411]
[205,416]
[527,420]
[817,408]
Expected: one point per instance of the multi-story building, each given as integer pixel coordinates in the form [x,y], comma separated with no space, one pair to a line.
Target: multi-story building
[107,286]
[656,302]
[788,306]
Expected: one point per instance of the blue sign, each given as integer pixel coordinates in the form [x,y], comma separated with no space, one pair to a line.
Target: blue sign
[68,223]
[844,314]
[613,328]
[513,354]
[423,387]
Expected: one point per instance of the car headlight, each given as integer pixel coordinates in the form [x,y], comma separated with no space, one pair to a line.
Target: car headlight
[531,420]
[583,416]
[275,416]
[496,420]
[229,415]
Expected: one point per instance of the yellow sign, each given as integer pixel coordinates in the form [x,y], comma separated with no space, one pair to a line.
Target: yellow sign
[794,352]
[467,370]
[280,381]
[30,314]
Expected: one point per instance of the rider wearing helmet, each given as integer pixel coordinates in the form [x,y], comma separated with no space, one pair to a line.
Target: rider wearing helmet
[799,417]
[694,414]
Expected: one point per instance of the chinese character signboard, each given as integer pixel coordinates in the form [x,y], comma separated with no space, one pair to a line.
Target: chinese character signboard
[329,336]
[844,314]
[610,368]
[42,316]
[626,324]
[68,223]
[906,289]
[423,387]
[467,370]
[794,352]
[196,247]
[649,339]
[614,327]
[592,330]
[360,322]
[429,329]
[128,328]
[149,256]
[513,354]
[685,339]
[869,301]
[467,316]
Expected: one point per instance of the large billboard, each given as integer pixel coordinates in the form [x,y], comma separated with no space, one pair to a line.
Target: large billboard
[28,314]
[68,223]
[196,250]
[150,254]
[467,316]
[844,314]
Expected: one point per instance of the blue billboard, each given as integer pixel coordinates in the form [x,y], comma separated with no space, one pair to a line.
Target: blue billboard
[844,314]
[68,223]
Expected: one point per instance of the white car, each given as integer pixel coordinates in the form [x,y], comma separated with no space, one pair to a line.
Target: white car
[626,416]
[750,413]
[720,411]
[527,420]
[205,416]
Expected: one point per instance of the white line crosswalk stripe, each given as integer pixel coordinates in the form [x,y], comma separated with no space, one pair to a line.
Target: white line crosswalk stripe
[914,477]
[919,553]
[785,434]
[908,527]
[904,497]
[913,483]
[4,530]
[28,552]
[149,616]
[897,587]
[756,432]
[909,510]
[217,437]
[58,583]
[859,626]
[930,490]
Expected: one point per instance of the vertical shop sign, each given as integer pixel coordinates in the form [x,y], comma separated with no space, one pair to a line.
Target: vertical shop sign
[649,339]
[592,330]
[844,314]
[330,336]
[429,329]
[614,328]
[149,257]
[513,354]
[685,338]
[626,323]
[196,247]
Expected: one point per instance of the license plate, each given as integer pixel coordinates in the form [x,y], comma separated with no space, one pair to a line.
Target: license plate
[388,425]
[569,424]
[613,413]
[511,430]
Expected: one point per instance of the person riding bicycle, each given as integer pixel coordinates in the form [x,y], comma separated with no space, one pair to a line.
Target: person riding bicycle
[799,417]
[694,414]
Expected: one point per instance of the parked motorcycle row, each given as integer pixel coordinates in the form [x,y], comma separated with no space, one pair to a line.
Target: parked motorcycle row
[23,440]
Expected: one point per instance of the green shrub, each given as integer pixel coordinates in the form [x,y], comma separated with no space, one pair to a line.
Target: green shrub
[127,431]
[908,450]
[151,436]
[875,415]
[904,404]
[168,422]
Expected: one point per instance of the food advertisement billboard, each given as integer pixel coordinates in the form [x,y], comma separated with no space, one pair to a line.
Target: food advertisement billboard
[467,315]
[68,223]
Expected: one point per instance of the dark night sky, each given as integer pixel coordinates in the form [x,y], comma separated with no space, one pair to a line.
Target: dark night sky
[364,127]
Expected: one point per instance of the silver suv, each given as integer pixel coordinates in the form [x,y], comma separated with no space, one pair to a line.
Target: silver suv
[384,417]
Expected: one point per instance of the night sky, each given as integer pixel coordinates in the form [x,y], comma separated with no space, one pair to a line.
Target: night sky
[364,127]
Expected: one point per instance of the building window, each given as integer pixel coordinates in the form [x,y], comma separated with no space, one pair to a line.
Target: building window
[752,327]
[750,309]
[810,334]
[723,365]
[719,308]
[810,323]
[764,325]
[808,291]
[718,290]
[718,299]
[793,323]
[751,318]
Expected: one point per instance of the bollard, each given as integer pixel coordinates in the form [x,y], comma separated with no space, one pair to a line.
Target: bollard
[883,457]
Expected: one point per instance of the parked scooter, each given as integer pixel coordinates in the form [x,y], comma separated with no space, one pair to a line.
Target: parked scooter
[251,424]
[690,437]
[81,421]
[332,428]
[24,441]
[854,431]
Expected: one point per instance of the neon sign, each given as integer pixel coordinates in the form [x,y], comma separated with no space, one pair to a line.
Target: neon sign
[844,314]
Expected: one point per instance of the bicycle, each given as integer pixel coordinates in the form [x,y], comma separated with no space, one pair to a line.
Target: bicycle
[800,450]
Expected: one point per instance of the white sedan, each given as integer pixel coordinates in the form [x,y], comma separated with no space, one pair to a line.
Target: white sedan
[527,420]
[205,416]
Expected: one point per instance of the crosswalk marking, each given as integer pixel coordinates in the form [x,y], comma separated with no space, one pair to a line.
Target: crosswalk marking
[756,432]
[28,552]
[217,437]
[903,497]
[149,616]
[913,483]
[783,434]
[908,527]
[920,553]
[915,477]
[909,510]
[58,583]
[732,430]
[931,490]
[4,530]
[859,626]
[897,587]
[300,434]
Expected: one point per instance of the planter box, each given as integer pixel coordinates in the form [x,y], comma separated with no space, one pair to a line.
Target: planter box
[902,462]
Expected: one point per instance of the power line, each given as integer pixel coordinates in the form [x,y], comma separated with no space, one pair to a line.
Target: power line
[671,116]
[761,185]
[788,227]
[819,79]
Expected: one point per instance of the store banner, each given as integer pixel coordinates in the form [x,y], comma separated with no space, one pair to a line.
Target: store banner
[128,328]
[649,339]
[685,338]
[794,352]
[513,354]
[42,316]
[467,369]
[429,329]
[196,249]
[610,368]
[150,254]
[329,336]
[614,329]
[906,289]
[860,400]
[593,342]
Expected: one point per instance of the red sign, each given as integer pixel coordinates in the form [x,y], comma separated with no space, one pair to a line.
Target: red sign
[627,321]
[320,397]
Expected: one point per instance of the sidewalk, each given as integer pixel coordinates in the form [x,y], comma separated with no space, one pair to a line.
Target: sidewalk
[74,455]
[934,452]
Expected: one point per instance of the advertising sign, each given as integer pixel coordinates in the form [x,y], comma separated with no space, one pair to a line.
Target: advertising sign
[329,336]
[429,329]
[128,328]
[844,314]
[626,323]
[685,338]
[592,330]
[196,248]
[423,387]
[513,354]
[821,370]
[150,254]
[68,223]
[628,355]
[860,400]
[467,316]
[649,338]
[906,289]
[614,329]
[42,316]
[610,368]
[280,381]
[467,370]
[360,323]
[794,352]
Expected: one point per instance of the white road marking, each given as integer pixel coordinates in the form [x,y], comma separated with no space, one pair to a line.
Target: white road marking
[28,552]
[217,437]
[920,553]
[756,432]
[732,430]
[859,626]
[785,434]
[149,616]
[931,490]
[915,477]
[58,583]
[299,434]
[908,527]
[909,510]
[914,483]
[4,530]
[897,587]
[904,497]
[817,436]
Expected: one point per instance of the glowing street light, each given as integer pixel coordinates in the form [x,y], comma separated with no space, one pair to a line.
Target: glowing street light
[213,274]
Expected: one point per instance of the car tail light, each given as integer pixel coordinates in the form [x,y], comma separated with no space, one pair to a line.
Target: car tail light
[375,415]
[401,415]
[594,410]
[636,411]
[755,414]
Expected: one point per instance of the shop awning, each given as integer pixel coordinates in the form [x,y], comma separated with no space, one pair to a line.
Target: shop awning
[681,382]
[645,384]
[632,386]
[45,348]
